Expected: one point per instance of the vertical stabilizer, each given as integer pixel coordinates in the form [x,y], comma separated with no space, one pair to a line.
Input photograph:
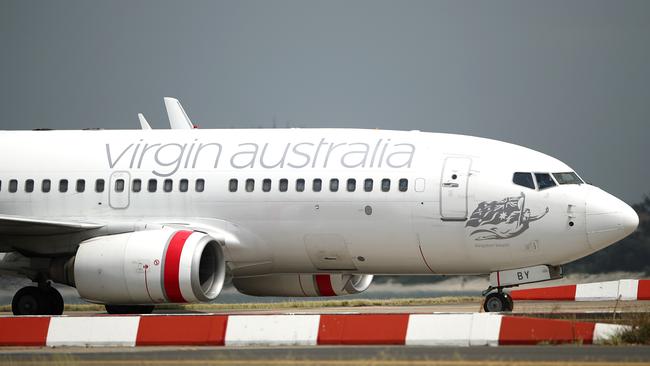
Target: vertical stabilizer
[143,122]
[178,119]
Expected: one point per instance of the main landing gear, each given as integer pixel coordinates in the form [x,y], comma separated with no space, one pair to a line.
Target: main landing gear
[37,300]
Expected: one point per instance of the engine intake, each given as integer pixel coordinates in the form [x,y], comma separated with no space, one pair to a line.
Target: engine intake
[303,285]
[148,267]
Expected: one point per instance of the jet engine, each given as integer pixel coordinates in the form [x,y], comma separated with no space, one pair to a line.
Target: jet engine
[149,267]
[303,285]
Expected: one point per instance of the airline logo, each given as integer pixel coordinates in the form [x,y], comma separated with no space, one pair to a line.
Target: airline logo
[501,219]
[165,159]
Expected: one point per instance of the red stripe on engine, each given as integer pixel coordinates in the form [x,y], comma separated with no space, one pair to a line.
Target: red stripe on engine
[324,285]
[172,266]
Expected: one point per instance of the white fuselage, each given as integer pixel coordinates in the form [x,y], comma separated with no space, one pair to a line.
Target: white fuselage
[459,211]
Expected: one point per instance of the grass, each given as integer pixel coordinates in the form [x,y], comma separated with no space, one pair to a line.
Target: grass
[288,304]
[639,333]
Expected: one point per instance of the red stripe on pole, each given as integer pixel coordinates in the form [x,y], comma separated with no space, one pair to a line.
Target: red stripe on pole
[24,331]
[363,329]
[643,291]
[324,284]
[546,293]
[186,330]
[521,330]
[172,266]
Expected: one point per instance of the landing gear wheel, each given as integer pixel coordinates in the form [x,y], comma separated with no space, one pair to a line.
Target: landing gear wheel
[129,309]
[30,300]
[511,304]
[498,302]
[55,300]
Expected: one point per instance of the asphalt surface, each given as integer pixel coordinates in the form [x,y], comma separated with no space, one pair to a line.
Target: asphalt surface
[366,355]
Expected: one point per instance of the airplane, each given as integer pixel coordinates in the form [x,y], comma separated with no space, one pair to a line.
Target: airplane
[137,218]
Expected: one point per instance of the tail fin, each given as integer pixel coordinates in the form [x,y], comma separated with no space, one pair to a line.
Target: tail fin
[178,119]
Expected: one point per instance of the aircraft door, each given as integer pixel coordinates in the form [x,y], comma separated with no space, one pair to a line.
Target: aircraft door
[118,191]
[453,188]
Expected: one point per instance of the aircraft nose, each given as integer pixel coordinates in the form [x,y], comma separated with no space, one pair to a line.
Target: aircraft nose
[608,219]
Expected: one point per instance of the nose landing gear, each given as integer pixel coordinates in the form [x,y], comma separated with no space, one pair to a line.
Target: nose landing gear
[498,302]
[41,300]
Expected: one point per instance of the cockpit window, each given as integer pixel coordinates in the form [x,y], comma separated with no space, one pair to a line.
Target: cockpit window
[524,180]
[544,180]
[567,178]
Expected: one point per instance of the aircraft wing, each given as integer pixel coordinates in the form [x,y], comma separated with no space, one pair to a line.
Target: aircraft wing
[29,226]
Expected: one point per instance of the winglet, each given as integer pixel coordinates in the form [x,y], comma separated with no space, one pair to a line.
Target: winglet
[143,122]
[178,119]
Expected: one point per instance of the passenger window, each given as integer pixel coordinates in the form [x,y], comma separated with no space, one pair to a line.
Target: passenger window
[334,185]
[317,185]
[403,185]
[367,185]
[300,185]
[81,185]
[385,185]
[13,186]
[200,185]
[63,185]
[544,180]
[29,185]
[284,185]
[119,185]
[136,186]
[184,185]
[46,185]
[99,185]
[168,185]
[250,185]
[352,185]
[152,186]
[266,185]
[232,185]
[524,180]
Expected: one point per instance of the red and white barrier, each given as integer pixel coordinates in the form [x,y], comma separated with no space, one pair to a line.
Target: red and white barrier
[611,290]
[470,329]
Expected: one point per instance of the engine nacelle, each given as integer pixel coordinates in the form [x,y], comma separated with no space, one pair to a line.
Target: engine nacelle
[303,285]
[148,267]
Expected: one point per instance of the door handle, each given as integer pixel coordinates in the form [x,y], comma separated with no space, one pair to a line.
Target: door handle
[450,185]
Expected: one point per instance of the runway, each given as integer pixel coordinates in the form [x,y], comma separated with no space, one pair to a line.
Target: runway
[351,355]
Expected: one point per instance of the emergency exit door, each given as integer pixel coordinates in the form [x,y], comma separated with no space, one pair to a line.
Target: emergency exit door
[118,191]
[453,188]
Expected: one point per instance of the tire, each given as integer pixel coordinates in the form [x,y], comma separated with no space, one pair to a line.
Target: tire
[129,309]
[30,301]
[55,301]
[495,302]
[509,302]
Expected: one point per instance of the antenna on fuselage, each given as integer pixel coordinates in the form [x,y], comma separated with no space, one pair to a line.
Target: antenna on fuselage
[178,119]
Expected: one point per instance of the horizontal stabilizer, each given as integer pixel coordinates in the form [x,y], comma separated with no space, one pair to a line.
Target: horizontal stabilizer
[178,119]
[143,122]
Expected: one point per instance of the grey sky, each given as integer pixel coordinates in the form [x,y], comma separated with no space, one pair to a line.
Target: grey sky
[568,78]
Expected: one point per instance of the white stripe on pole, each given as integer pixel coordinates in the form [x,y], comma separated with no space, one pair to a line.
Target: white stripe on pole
[597,291]
[93,331]
[627,289]
[485,329]
[439,330]
[272,330]
[604,332]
